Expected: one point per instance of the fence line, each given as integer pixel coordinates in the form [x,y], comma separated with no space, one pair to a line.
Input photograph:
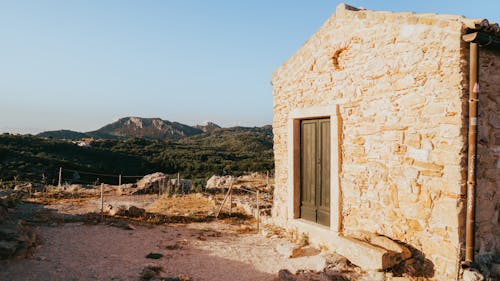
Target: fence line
[229,195]
[118,176]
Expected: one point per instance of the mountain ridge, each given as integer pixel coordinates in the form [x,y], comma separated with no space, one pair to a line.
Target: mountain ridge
[139,127]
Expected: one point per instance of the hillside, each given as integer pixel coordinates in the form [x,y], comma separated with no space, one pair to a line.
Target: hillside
[150,128]
[137,127]
[223,151]
[64,134]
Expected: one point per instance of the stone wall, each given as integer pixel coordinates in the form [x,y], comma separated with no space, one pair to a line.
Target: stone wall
[488,169]
[400,80]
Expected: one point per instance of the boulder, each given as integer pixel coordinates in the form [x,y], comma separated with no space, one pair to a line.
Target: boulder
[150,183]
[286,275]
[495,270]
[135,212]
[178,187]
[471,275]
[219,182]
[7,248]
[15,239]
[115,210]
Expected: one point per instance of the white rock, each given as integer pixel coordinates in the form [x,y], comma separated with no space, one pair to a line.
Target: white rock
[470,275]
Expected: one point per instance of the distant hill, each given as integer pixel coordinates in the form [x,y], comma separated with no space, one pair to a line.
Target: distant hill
[63,134]
[137,127]
[222,151]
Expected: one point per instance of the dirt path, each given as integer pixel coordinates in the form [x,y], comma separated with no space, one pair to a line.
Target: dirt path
[203,251]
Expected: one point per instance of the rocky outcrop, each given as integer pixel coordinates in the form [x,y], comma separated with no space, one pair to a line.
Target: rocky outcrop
[16,237]
[158,183]
[219,182]
[253,181]
[150,183]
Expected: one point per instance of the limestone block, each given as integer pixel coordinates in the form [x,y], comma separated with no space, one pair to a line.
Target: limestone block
[367,256]
[386,243]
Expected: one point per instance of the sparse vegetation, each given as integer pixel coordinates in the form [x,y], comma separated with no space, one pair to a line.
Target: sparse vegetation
[227,151]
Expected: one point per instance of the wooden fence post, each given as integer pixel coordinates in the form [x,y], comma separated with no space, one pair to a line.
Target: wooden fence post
[120,180]
[230,202]
[102,201]
[60,177]
[267,180]
[258,212]
[179,182]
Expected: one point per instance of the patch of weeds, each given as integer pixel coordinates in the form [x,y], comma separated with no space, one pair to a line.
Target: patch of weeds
[154,256]
[304,239]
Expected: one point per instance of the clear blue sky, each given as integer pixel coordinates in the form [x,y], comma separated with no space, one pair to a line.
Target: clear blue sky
[81,64]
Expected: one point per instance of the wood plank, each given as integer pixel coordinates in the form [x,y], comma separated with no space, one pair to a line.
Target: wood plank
[308,170]
[323,203]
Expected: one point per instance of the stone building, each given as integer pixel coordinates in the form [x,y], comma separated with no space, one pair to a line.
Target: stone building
[371,123]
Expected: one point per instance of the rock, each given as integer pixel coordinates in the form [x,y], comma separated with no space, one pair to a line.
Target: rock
[150,272]
[374,276]
[153,182]
[8,248]
[366,255]
[315,263]
[305,251]
[386,243]
[25,187]
[286,275]
[219,181]
[471,275]
[495,270]
[135,212]
[8,232]
[181,187]
[150,183]
[335,276]
[286,249]
[115,210]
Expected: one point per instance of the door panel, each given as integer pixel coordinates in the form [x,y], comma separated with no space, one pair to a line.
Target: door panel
[315,170]
[323,188]
[308,170]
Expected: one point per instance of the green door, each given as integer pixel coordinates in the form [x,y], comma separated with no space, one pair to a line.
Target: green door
[315,170]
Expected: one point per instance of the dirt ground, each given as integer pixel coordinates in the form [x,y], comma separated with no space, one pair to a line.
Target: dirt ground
[90,250]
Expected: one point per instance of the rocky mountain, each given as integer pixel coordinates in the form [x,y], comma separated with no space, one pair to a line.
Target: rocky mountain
[149,128]
[209,127]
[136,127]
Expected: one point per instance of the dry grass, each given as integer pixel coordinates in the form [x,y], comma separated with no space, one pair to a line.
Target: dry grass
[183,205]
[53,199]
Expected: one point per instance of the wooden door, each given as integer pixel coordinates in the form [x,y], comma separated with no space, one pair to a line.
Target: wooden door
[315,170]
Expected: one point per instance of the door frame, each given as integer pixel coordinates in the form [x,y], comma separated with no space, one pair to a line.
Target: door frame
[293,185]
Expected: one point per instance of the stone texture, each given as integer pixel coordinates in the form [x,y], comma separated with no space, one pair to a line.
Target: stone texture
[366,255]
[219,181]
[401,83]
[469,275]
